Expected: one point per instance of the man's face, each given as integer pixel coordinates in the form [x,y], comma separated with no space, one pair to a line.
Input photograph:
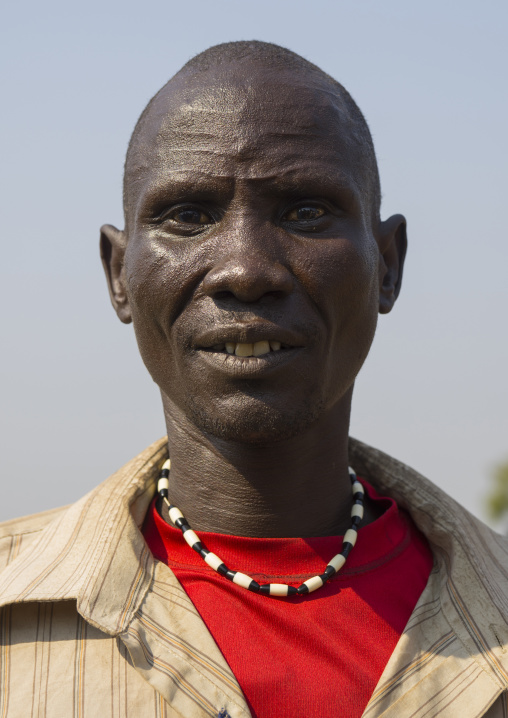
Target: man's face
[249,232]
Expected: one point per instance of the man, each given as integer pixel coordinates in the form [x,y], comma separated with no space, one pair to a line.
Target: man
[253,265]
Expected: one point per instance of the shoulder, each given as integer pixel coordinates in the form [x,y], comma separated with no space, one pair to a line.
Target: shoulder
[17,534]
[474,558]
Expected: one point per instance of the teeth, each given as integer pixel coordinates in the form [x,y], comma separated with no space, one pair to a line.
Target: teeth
[244,350]
[260,348]
[247,349]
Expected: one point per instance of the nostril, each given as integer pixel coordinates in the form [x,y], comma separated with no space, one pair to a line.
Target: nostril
[247,279]
[224,294]
[247,298]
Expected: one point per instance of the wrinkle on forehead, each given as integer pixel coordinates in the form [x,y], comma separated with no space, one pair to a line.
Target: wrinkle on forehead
[241,106]
[217,116]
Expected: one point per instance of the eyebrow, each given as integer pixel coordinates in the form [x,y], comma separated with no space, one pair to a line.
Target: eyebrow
[183,184]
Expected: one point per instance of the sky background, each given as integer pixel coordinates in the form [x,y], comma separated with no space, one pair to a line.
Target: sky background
[430,77]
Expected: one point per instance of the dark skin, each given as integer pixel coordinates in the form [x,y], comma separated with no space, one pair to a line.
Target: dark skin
[248,220]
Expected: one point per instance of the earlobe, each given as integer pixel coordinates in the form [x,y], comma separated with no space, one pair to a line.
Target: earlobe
[112,247]
[392,252]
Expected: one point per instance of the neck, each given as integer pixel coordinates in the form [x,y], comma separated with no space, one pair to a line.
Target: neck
[296,487]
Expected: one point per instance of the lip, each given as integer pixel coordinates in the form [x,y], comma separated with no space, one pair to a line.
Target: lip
[249,367]
[249,334]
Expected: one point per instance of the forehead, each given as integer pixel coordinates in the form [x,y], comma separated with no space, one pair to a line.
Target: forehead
[271,126]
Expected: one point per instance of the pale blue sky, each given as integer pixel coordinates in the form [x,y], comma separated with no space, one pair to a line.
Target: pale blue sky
[431,80]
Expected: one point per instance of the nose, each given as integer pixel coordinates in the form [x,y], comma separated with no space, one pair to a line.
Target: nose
[248,274]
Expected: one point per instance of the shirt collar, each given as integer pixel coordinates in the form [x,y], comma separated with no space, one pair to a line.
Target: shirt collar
[95,554]
[472,584]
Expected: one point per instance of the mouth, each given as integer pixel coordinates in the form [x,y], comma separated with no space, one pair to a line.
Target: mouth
[249,340]
[248,349]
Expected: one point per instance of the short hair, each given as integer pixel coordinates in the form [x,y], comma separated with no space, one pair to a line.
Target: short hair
[274,57]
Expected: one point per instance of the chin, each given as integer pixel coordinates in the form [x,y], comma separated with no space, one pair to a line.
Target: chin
[255,422]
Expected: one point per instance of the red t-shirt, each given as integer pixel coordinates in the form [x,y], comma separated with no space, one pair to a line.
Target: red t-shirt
[316,655]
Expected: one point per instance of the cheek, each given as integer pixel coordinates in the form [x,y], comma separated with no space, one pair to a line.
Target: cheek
[159,278]
[151,276]
[341,276]
[358,293]
[345,288]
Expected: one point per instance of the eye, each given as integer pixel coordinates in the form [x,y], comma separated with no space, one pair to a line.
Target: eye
[189,215]
[304,213]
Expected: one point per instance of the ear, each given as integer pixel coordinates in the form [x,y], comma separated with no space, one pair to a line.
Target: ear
[392,242]
[112,244]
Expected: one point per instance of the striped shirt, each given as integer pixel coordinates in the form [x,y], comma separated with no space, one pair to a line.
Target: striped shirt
[92,625]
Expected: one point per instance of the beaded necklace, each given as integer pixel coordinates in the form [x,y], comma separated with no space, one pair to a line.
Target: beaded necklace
[241,579]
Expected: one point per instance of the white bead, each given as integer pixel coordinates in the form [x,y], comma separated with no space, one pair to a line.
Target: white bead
[242,579]
[166,464]
[313,583]
[214,561]
[175,514]
[357,510]
[278,589]
[337,562]
[351,471]
[357,487]
[350,536]
[163,484]
[191,537]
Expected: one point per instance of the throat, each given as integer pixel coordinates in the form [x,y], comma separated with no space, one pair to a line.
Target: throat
[298,487]
[269,501]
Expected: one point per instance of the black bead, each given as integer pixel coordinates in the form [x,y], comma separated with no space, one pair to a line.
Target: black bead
[355,521]
[324,578]
[164,474]
[328,572]
[292,591]
[164,493]
[204,552]
[264,588]
[230,575]
[197,547]
[358,496]
[359,502]
[222,569]
[302,589]
[182,524]
[254,586]
[346,548]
